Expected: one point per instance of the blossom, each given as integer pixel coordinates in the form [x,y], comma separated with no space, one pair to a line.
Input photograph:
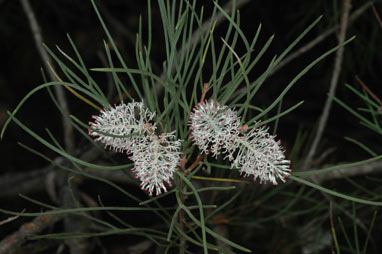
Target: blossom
[214,127]
[257,153]
[217,129]
[121,127]
[155,161]
[128,127]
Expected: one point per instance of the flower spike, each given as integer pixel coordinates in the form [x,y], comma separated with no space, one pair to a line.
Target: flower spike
[214,126]
[260,155]
[121,127]
[155,161]
[128,127]
[217,129]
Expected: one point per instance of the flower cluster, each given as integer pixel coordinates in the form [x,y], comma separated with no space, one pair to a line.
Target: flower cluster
[128,127]
[214,127]
[122,126]
[254,153]
[260,155]
[155,161]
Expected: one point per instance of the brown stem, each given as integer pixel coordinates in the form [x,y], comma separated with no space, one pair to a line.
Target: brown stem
[364,86]
[37,35]
[333,84]
[13,242]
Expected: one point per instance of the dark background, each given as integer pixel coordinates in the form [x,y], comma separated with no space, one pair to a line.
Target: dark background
[20,71]
[286,19]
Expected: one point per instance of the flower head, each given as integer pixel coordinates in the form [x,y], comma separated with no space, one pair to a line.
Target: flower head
[257,153]
[155,161]
[121,127]
[214,126]
[127,127]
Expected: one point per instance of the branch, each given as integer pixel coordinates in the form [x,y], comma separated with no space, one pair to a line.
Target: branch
[374,167]
[333,84]
[36,31]
[13,242]
[302,50]
[332,175]
[31,181]
[320,38]
[377,16]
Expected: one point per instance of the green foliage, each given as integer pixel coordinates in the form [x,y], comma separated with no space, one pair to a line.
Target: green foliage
[190,45]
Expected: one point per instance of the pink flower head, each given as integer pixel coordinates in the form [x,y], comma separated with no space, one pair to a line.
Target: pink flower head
[121,127]
[257,153]
[214,126]
[155,161]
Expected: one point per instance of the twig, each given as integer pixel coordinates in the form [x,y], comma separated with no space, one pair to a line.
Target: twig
[74,223]
[374,167]
[30,182]
[13,242]
[222,230]
[27,182]
[377,16]
[333,84]
[325,113]
[340,207]
[364,86]
[195,163]
[204,92]
[36,31]
[332,226]
[139,248]
[305,48]
[320,38]
[324,155]
[10,219]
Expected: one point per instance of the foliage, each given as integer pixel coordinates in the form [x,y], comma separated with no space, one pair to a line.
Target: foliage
[199,66]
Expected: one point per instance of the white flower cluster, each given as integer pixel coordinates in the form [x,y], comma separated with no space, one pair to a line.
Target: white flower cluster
[127,127]
[155,161]
[216,128]
[123,126]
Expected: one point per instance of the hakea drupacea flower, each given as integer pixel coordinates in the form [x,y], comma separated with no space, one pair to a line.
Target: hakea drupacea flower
[155,161]
[258,154]
[214,127]
[128,127]
[121,127]
[254,153]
